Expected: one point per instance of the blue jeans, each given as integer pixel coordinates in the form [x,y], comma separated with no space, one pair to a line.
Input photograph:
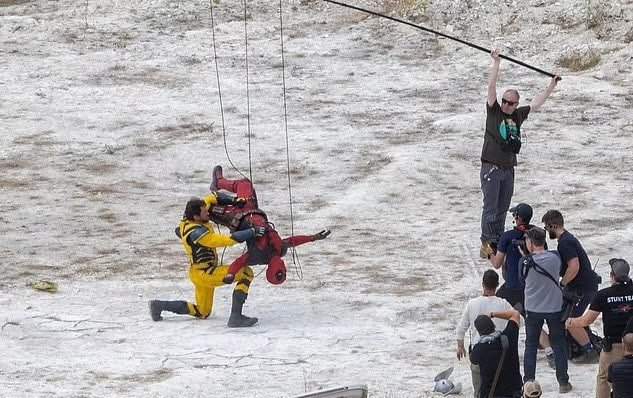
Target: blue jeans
[533,326]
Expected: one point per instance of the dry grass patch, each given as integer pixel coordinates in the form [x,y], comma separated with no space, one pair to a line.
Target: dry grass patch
[406,8]
[578,61]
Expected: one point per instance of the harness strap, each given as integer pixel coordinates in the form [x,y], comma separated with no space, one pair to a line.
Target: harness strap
[504,347]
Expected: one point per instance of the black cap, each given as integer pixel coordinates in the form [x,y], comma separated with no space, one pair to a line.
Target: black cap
[522,210]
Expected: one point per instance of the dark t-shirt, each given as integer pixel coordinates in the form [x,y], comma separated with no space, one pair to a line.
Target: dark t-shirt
[498,126]
[620,375]
[511,266]
[616,304]
[568,248]
[487,356]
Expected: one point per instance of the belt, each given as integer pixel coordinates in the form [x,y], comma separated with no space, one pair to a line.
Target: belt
[498,165]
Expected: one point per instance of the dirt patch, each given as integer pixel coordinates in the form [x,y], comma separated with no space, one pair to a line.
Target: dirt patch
[7,3]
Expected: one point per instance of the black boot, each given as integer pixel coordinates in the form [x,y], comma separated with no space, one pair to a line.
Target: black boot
[237,320]
[215,176]
[158,306]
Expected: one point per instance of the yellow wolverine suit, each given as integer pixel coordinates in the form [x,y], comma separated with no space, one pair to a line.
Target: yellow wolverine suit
[200,242]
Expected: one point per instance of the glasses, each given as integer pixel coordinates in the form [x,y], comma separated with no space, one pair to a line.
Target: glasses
[511,103]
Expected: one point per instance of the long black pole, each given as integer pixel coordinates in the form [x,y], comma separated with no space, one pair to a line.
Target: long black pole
[516,61]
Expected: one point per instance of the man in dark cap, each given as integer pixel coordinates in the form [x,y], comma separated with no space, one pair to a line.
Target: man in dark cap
[487,353]
[507,256]
[616,305]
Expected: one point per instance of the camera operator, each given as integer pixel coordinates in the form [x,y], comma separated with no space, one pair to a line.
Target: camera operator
[578,277]
[543,303]
[616,305]
[507,258]
[508,255]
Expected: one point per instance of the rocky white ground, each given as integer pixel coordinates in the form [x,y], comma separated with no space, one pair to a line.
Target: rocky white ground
[110,121]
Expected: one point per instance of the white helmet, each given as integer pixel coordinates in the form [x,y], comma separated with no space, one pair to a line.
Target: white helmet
[443,386]
[447,387]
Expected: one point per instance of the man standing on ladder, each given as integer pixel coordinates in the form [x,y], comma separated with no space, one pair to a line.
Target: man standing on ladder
[502,142]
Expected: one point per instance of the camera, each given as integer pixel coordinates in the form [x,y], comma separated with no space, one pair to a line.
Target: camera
[520,243]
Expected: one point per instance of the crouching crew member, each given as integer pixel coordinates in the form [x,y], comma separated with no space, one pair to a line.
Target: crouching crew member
[616,305]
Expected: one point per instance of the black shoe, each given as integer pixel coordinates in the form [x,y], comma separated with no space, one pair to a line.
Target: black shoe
[215,176]
[590,356]
[564,388]
[155,308]
[241,321]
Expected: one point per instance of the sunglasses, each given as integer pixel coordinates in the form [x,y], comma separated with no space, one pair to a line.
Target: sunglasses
[511,103]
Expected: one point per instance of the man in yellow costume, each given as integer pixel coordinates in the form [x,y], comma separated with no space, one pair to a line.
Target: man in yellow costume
[200,241]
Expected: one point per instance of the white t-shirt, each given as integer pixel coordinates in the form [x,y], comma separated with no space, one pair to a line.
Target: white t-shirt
[482,305]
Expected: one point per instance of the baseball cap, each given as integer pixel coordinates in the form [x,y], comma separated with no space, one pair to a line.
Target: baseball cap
[522,210]
[532,389]
[620,269]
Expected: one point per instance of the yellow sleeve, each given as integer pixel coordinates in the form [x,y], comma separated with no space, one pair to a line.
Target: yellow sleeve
[211,199]
[215,240]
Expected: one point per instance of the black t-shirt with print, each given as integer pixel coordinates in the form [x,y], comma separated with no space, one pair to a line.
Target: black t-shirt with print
[616,304]
[568,248]
[487,356]
[498,125]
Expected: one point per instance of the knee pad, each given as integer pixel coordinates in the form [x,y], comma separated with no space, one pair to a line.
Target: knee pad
[276,271]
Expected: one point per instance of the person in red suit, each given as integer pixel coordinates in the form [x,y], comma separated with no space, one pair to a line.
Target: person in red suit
[243,213]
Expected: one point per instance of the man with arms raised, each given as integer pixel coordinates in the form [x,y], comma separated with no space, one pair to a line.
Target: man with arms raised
[502,142]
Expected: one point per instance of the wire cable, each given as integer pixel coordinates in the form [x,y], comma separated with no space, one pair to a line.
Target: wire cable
[217,74]
[295,256]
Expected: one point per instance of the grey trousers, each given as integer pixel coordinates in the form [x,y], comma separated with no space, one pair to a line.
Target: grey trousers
[476,375]
[497,185]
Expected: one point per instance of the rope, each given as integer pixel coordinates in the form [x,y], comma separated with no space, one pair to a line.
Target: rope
[248,98]
[295,255]
[217,75]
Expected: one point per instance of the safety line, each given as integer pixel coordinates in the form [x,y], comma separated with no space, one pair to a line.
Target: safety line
[248,97]
[217,74]
[295,255]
